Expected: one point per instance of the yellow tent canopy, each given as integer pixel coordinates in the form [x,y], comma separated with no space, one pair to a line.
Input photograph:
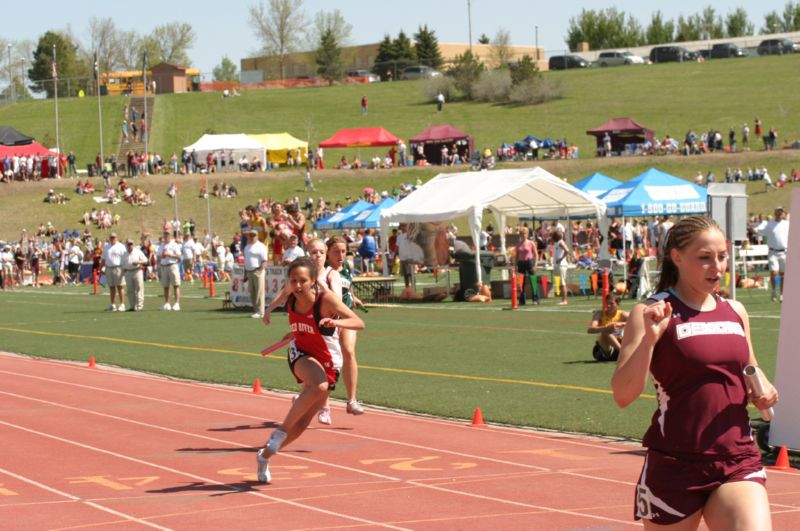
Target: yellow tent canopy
[278,146]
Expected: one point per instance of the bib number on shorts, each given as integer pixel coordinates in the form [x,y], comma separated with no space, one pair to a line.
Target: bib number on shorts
[643,509]
[294,354]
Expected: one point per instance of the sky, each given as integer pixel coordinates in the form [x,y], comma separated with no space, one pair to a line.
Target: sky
[222,27]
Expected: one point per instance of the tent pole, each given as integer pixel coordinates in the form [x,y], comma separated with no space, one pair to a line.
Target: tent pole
[624,252]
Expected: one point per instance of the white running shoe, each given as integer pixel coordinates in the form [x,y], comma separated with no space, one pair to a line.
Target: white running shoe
[176,307]
[111,308]
[275,441]
[166,307]
[354,407]
[121,308]
[257,316]
[262,472]
[324,416]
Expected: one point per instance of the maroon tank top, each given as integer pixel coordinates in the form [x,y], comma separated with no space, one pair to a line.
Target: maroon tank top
[697,369]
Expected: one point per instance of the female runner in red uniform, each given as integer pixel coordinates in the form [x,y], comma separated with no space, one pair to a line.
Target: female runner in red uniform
[701,459]
[314,356]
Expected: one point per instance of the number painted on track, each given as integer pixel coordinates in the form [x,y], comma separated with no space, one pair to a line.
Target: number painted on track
[115,483]
[408,464]
[6,492]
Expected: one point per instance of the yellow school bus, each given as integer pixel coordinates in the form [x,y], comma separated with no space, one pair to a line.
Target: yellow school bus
[132,82]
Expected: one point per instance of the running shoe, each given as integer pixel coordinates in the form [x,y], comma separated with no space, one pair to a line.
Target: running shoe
[121,308]
[113,308]
[166,307]
[324,416]
[275,441]
[263,467]
[354,407]
[176,307]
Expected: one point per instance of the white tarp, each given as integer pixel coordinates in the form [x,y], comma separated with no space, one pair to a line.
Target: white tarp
[523,192]
[233,144]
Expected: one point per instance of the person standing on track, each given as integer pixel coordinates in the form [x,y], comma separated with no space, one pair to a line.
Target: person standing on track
[701,459]
[340,284]
[315,317]
[776,234]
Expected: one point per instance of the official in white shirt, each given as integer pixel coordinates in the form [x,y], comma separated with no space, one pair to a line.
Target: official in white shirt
[188,256]
[255,264]
[169,254]
[113,252]
[776,233]
[132,264]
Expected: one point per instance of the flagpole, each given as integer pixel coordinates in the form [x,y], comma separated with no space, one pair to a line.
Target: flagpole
[55,87]
[99,106]
[147,129]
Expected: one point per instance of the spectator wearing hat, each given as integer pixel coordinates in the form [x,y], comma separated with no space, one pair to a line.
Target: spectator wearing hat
[133,262]
[112,256]
[169,254]
[255,263]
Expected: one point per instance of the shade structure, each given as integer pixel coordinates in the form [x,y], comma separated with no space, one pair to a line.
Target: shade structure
[655,193]
[11,137]
[622,131]
[520,192]
[436,136]
[369,218]
[32,148]
[334,221]
[278,146]
[597,184]
[367,137]
[229,144]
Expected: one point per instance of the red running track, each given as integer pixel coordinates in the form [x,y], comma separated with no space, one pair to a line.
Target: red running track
[103,447]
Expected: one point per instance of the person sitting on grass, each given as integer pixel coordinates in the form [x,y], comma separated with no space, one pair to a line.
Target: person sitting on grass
[609,323]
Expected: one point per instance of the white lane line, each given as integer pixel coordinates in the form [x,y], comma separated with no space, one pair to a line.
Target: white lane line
[193,476]
[128,517]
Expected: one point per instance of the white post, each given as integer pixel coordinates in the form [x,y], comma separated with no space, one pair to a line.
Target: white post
[99,111]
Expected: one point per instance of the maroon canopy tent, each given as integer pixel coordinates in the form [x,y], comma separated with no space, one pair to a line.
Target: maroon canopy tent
[622,131]
[368,137]
[434,137]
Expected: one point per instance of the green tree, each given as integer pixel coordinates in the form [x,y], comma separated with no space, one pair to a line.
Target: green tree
[484,39]
[329,58]
[737,24]
[791,16]
[403,51]
[772,23]
[659,31]
[226,70]
[711,24]
[40,72]
[500,49]
[609,28]
[280,28]
[173,41]
[689,28]
[525,69]
[426,46]
[466,70]
[384,60]
[329,20]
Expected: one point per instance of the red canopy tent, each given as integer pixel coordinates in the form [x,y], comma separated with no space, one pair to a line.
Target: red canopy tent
[435,136]
[28,150]
[622,131]
[368,137]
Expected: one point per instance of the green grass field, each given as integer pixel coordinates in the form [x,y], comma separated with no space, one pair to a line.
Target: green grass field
[530,367]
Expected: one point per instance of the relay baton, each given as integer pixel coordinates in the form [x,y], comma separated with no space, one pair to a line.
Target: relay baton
[275,346]
[752,378]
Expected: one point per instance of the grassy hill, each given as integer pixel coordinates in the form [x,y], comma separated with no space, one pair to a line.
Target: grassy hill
[670,98]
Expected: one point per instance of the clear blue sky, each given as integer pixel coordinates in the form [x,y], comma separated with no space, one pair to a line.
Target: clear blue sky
[222,27]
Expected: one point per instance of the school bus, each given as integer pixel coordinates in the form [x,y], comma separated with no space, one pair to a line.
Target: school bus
[132,82]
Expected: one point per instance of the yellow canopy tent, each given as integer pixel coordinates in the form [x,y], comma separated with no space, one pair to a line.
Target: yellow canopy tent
[278,146]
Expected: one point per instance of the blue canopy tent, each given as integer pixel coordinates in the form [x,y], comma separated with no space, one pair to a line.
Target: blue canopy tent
[334,221]
[654,193]
[369,218]
[597,184]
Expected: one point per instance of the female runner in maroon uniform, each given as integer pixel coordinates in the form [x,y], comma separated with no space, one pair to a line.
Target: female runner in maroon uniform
[701,459]
[314,356]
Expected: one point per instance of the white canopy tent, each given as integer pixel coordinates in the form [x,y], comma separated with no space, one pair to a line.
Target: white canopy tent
[235,144]
[523,192]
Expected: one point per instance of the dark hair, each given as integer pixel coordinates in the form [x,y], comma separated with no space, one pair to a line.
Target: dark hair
[612,297]
[679,237]
[333,240]
[556,235]
[306,262]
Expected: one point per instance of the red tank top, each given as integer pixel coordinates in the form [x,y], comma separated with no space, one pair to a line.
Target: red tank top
[320,343]
[697,369]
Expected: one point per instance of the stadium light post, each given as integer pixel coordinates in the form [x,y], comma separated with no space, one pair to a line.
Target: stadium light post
[469,21]
[10,76]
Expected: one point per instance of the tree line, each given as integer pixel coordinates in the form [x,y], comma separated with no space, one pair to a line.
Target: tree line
[611,28]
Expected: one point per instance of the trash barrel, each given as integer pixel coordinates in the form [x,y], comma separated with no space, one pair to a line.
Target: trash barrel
[467,275]
[90,170]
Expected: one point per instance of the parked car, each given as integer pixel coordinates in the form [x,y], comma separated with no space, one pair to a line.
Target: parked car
[419,72]
[665,54]
[777,47]
[373,78]
[618,58]
[563,62]
[724,50]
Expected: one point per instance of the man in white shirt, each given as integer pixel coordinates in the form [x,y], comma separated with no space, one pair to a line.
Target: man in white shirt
[113,252]
[169,254]
[255,263]
[293,251]
[776,233]
[132,262]
[188,256]
[7,266]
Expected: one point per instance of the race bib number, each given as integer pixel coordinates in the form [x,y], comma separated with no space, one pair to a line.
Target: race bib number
[643,509]
[294,353]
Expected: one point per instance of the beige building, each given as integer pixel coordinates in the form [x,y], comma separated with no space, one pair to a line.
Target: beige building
[301,64]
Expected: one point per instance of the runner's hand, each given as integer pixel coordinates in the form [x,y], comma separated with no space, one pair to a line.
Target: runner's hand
[656,320]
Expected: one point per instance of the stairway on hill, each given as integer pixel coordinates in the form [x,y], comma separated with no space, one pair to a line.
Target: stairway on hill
[136,102]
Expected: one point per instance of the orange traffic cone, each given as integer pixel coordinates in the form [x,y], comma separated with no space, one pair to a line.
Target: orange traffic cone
[257,386]
[782,463]
[477,418]
[92,363]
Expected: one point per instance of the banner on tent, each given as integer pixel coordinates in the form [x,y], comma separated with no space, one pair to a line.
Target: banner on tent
[274,282]
[653,209]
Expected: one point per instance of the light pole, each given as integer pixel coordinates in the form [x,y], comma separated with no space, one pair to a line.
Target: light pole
[10,76]
[469,20]
[536,31]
